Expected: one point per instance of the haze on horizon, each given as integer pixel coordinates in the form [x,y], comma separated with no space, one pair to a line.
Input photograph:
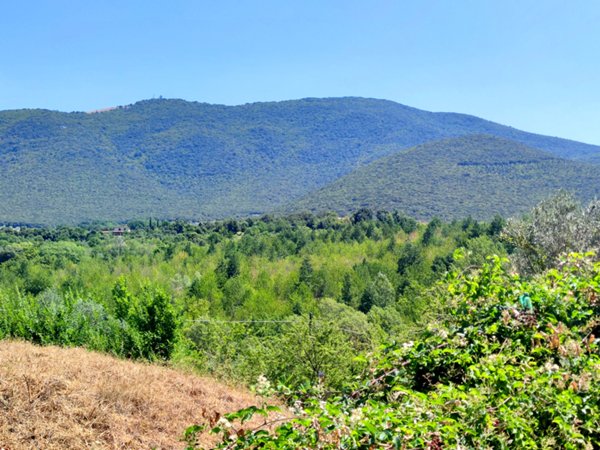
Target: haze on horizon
[532,65]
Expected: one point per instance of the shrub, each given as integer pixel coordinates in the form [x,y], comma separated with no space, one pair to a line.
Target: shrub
[151,318]
[555,227]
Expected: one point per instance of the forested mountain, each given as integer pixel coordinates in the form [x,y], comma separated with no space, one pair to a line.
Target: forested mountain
[476,175]
[594,158]
[178,159]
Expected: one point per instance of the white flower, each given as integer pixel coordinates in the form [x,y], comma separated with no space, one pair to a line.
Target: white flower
[263,386]
[356,416]
[223,422]
[296,408]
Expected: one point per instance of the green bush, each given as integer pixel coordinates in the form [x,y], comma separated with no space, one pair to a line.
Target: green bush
[555,227]
[52,318]
[151,317]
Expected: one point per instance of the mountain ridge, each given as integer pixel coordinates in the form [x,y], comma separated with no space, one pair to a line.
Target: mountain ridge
[447,116]
[179,159]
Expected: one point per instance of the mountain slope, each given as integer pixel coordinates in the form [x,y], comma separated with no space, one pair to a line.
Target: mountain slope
[592,158]
[476,175]
[172,158]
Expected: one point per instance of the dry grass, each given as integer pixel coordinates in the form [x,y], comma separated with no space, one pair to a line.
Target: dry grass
[57,398]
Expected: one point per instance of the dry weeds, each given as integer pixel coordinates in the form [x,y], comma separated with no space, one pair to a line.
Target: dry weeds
[57,398]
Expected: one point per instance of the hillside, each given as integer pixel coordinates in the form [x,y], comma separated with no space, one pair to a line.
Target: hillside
[172,158]
[55,398]
[477,175]
[594,158]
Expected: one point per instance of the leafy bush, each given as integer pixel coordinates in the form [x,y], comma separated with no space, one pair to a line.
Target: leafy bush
[151,317]
[51,318]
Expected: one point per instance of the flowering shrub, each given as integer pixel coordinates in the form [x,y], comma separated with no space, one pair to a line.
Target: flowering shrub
[489,374]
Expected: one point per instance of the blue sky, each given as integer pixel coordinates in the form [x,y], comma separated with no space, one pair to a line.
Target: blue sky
[532,64]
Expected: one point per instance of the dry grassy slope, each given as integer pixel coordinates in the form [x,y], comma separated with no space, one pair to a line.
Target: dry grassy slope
[57,398]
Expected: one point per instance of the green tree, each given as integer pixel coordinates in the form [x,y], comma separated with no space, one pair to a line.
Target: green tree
[496,226]
[383,291]
[122,299]
[347,296]
[362,215]
[150,317]
[153,317]
[410,255]
[429,233]
[379,293]
[306,272]
[228,267]
[313,351]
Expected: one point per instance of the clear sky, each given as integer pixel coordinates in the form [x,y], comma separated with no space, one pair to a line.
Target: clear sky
[532,64]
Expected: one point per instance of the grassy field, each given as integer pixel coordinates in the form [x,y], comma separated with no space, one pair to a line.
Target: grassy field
[58,398]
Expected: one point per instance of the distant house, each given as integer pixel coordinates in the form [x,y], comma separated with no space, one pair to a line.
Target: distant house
[11,227]
[120,231]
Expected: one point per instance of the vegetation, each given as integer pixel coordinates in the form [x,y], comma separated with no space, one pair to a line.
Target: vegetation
[294,299]
[377,330]
[69,398]
[477,176]
[556,226]
[175,159]
[507,360]
[488,374]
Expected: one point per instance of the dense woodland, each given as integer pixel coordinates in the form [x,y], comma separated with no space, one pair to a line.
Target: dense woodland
[478,176]
[237,298]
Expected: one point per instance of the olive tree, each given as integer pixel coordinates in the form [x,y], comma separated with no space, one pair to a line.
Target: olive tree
[556,226]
